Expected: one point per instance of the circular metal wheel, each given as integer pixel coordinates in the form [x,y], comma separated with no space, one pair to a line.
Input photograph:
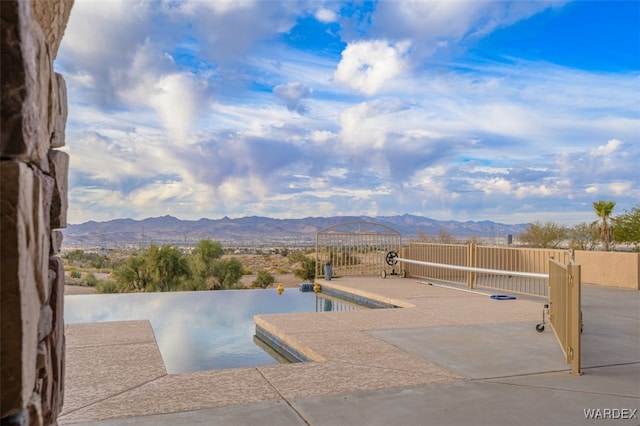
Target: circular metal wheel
[403,273]
[391,258]
[384,274]
[539,328]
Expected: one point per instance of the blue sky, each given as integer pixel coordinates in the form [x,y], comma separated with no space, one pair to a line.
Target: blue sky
[466,110]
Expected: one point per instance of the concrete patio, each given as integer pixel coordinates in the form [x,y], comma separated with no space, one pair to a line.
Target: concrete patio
[445,357]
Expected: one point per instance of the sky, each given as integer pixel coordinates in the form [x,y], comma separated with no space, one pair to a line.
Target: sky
[511,111]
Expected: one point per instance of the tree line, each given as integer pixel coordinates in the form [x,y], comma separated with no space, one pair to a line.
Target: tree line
[604,232]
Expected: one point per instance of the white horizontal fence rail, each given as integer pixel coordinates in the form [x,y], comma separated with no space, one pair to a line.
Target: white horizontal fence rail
[516,259]
[479,270]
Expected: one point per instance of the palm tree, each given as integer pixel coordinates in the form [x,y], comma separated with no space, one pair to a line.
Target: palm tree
[603,210]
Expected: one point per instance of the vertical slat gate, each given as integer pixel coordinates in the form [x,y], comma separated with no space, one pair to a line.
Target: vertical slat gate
[565,310]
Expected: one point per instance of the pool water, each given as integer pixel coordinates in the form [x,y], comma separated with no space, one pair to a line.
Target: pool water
[201,330]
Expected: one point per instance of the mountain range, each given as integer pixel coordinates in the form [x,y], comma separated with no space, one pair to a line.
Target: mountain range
[265,231]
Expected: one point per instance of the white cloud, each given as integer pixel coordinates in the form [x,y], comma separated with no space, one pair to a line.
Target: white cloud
[339,172]
[292,93]
[176,98]
[88,32]
[82,79]
[226,6]
[321,136]
[89,151]
[604,150]
[495,185]
[437,24]
[100,41]
[326,16]
[489,170]
[367,65]
[157,193]
[365,126]
[505,119]
[543,190]
[227,30]
[431,179]
[427,19]
[620,188]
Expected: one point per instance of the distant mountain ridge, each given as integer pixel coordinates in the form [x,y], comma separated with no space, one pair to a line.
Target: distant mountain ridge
[255,230]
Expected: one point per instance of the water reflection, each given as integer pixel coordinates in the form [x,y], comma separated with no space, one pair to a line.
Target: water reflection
[198,331]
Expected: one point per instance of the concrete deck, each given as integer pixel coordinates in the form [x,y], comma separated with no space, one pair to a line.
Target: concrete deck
[447,358]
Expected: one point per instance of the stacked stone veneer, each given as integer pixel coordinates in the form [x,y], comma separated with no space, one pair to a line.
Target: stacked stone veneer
[33,207]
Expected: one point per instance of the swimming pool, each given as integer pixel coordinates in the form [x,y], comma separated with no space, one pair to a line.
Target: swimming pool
[203,330]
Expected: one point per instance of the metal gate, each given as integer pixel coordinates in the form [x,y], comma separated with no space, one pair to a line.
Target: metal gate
[355,248]
[565,314]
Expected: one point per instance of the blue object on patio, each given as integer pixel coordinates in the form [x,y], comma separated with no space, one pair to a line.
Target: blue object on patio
[502,297]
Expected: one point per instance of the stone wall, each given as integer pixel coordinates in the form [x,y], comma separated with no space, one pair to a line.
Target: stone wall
[33,207]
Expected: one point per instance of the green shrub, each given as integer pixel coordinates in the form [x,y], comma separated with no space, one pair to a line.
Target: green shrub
[91,280]
[263,280]
[307,270]
[107,287]
[296,257]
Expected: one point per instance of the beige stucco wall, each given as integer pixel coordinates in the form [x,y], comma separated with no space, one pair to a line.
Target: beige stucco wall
[615,269]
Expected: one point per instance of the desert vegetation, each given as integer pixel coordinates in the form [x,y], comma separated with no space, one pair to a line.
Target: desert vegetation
[170,268]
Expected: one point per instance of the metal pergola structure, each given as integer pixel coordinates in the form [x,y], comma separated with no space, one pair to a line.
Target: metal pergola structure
[355,248]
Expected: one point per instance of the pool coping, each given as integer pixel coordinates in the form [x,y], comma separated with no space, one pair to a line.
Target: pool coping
[292,350]
[344,357]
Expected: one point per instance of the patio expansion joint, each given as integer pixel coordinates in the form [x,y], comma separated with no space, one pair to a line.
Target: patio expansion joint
[610,365]
[495,379]
[553,388]
[276,390]
[115,394]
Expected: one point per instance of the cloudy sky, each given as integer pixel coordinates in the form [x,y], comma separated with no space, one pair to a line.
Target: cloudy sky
[512,111]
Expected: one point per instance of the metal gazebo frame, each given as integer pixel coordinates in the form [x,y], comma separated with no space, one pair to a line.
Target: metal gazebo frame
[355,248]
